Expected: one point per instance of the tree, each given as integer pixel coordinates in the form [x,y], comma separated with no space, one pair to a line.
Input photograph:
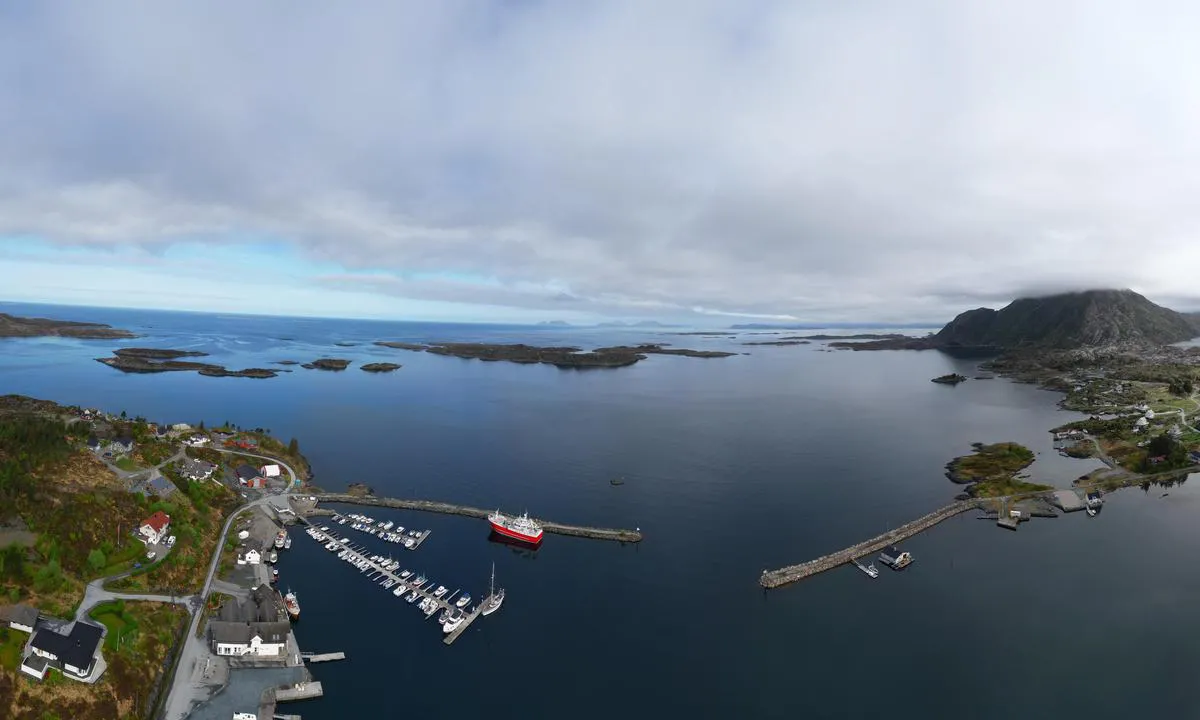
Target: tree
[49,578]
[201,425]
[96,560]
[123,415]
[294,447]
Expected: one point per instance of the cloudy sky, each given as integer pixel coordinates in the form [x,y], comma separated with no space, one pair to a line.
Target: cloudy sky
[677,159]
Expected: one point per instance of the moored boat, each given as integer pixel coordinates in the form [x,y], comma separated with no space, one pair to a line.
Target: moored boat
[463,601]
[441,590]
[495,597]
[453,621]
[895,558]
[520,527]
[292,605]
[280,537]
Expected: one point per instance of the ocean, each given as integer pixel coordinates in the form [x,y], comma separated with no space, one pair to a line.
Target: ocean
[731,466]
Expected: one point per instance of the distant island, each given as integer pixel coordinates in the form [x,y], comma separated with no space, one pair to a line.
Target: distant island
[12,326]
[379,367]
[991,471]
[951,379]
[327,364]
[562,357]
[157,360]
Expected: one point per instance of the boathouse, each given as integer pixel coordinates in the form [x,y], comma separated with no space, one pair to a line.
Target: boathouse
[238,639]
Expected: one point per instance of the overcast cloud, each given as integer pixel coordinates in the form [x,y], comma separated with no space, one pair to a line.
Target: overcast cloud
[853,160]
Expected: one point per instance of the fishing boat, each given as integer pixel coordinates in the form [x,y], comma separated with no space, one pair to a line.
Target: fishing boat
[870,570]
[463,601]
[520,527]
[292,604]
[280,537]
[1095,503]
[494,599]
[895,558]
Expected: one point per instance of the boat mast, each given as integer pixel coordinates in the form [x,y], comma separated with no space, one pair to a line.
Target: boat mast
[493,589]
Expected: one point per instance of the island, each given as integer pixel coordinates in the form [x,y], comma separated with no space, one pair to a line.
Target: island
[779,342]
[562,357]
[991,471]
[379,367]
[951,379]
[12,326]
[157,360]
[287,362]
[336,364]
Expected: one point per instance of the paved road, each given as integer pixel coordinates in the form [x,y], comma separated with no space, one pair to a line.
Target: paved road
[96,594]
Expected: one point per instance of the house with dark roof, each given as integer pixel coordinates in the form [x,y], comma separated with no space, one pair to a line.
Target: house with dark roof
[121,444]
[19,617]
[239,639]
[248,475]
[196,469]
[73,654]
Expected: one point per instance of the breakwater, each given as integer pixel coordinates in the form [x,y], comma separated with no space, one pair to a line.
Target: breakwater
[792,573]
[452,509]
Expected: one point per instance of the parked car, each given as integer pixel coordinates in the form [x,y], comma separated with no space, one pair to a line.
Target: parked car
[151,555]
[171,541]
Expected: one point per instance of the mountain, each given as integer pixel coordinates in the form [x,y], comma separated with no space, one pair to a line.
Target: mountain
[1092,318]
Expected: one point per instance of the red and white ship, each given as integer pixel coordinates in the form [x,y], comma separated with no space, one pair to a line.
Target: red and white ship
[522,527]
[292,604]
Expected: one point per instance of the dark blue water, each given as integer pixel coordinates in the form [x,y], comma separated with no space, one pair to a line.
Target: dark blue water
[732,466]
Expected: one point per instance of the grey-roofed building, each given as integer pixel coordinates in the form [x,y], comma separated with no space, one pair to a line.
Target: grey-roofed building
[262,639]
[246,474]
[160,486]
[19,617]
[196,469]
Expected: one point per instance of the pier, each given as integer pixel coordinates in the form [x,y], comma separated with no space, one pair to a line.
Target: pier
[793,573]
[322,657]
[451,509]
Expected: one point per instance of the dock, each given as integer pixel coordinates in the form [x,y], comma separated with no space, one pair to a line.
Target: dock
[443,603]
[793,573]
[322,657]
[596,533]
[287,693]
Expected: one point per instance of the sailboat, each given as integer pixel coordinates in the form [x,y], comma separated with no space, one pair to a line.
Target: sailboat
[492,602]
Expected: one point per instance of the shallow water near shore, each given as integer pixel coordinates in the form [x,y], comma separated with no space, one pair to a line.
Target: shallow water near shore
[731,466]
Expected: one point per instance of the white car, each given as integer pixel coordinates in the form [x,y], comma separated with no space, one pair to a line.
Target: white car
[151,555]
[171,541]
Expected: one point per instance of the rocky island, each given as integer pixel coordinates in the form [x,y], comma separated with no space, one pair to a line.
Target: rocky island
[951,379]
[562,357]
[379,367]
[991,471]
[13,326]
[336,364]
[156,360]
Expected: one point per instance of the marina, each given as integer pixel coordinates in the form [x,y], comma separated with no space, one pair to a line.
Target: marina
[619,535]
[435,600]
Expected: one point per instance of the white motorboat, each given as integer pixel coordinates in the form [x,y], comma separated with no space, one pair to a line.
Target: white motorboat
[412,597]
[463,601]
[456,618]
[441,590]
[400,589]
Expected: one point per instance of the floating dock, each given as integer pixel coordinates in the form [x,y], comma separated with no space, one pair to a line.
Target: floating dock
[793,573]
[322,657]
[451,509]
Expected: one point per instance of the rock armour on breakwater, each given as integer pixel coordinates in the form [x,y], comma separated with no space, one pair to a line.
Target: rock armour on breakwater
[451,509]
[792,573]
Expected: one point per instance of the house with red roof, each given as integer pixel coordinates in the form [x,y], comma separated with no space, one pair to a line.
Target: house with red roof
[154,528]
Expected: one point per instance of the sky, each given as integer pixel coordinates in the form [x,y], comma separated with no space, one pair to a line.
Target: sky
[682,160]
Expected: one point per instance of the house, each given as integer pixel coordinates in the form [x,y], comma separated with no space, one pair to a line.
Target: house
[248,476]
[160,486]
[19,617]
[122,444]
[154,528]
[269,471]
[72,654]
[1149,415]
[196,469]
[239,639]
[251,557]
[197,440]
[181,427]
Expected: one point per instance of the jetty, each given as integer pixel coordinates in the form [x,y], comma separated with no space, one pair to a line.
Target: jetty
[285,693]
[452,509]
[793,573]
[322,657]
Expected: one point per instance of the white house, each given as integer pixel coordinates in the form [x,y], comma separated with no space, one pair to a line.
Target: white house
[269,471]
[1149,414]
[155,528]
[73,654]
[251,557]
[197,440]
[259,639]
[181,427]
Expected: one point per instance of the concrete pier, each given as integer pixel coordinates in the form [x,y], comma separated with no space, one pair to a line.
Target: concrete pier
[790,574]
[451,509]
[322,657]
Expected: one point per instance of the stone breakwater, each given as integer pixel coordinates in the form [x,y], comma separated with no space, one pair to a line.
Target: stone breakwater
[451,509]
[793,573]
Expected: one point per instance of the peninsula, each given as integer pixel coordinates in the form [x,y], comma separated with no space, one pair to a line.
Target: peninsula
[12,326]
[562,357]
[156,360]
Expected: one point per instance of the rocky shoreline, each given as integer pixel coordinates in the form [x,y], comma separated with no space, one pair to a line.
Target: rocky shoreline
[157,360]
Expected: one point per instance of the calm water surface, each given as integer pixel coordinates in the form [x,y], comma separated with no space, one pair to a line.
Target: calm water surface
[731,465]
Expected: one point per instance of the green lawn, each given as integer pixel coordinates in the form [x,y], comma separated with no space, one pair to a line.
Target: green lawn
[12,643]
[126,463]
[122,628]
